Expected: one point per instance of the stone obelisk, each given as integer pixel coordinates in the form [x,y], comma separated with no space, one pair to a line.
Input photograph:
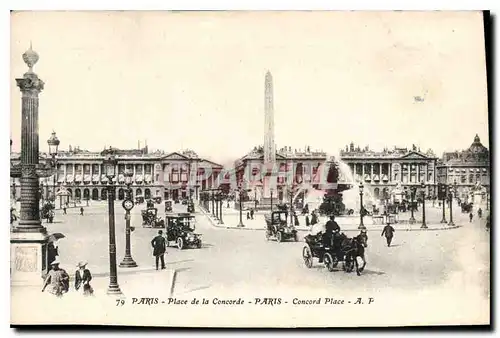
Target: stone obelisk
[269,145]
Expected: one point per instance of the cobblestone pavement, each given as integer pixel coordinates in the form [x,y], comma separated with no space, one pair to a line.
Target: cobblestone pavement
[243,262]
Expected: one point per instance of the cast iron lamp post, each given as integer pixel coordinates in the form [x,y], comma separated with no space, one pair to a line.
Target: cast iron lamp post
[110,168]
[128,204]
[451,202]
[443,197]
[221,195]
[53,143]
[412,205]
[271,190]
[216,196]
[361,208]
[240,193]
[424,225]
[213,203]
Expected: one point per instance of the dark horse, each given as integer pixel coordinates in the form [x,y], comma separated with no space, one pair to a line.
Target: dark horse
[353,248]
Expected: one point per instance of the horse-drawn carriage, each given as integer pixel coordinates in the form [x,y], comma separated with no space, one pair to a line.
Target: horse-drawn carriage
[277,227]
[156,199]
[139,199]
[150,218]
[190,207]
[180,229]
[339,249]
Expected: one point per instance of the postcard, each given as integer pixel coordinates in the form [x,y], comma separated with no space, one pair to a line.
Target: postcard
[249,169]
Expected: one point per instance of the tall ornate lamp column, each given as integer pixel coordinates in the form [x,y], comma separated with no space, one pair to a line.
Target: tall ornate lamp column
[28,237]
[424,224]
[221,195]
[128,204]
[53,143]
[216,198]
[452,192]
[412,206]
[109,168]
[361,208]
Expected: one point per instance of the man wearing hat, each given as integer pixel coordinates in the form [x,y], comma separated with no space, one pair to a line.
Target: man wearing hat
[57,280]
[83,278]
[332,229]
[159,245]
[389,233]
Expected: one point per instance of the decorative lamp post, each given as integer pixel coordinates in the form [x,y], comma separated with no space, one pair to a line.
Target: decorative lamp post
[221,195]
[451,202]
[110,170]
[424,225]
[271,190]
[128,204]
[216,204]
[240,193]
[53,143]
[412,205]
[213,203]
[443,197]
[361,208]
[291,203]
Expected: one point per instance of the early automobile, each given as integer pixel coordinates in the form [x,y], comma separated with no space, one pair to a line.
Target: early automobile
[168,206]
[180,230]
[150,218]
[278,228]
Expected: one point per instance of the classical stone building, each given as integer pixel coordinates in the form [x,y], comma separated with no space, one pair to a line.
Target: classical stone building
[297,166]
[168,175]
[382,171]
[468,168]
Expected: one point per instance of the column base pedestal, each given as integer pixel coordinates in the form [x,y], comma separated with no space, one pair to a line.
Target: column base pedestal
[28,257]
[128,262]
[114,290]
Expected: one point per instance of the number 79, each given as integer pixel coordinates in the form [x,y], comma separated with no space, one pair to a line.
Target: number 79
[120,302]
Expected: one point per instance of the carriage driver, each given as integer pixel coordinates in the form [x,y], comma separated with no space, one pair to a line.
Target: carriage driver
[332,231]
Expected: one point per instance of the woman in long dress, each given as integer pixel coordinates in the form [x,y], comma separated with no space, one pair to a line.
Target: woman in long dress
[57,280]
[82,280]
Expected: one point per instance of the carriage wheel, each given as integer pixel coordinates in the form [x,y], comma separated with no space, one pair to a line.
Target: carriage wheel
[180,243]
[329,263]
[307,255]
[279,236]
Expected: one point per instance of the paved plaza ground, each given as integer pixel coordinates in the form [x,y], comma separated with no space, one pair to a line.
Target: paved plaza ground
[420,264]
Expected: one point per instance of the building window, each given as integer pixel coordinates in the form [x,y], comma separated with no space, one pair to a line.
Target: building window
[157,177]
[463,179]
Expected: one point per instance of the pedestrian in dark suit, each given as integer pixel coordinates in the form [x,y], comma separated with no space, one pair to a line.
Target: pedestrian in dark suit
[159,245]
[82,279]
[389,233]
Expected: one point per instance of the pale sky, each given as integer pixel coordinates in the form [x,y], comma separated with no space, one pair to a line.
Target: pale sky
[196,80]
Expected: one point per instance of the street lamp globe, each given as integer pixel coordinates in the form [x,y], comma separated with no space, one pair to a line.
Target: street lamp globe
[53,143]
[110,164]
[128,176]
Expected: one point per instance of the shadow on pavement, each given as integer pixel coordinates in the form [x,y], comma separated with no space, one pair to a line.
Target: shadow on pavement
[196,289]
[371,272]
